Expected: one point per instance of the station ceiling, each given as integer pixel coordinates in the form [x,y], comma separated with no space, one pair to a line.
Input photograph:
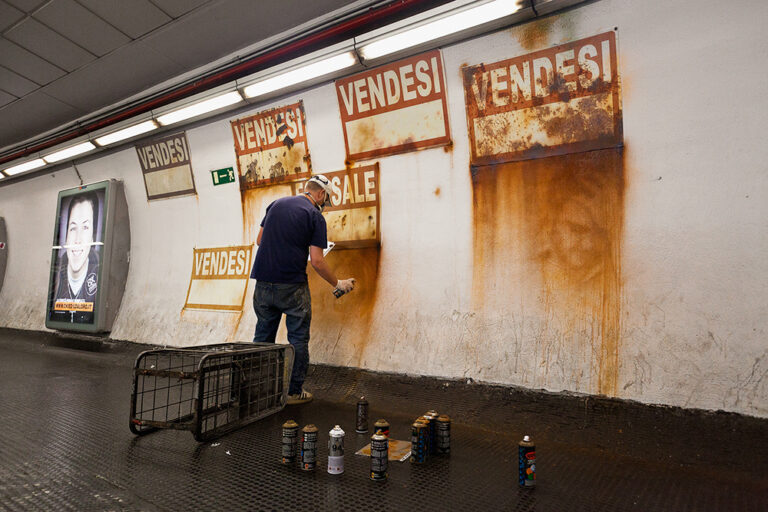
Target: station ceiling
[64,60]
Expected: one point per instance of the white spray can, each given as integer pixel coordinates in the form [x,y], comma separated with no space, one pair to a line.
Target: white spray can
[336,451]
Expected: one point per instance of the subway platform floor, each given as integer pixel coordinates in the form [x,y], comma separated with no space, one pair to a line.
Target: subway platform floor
[65,445]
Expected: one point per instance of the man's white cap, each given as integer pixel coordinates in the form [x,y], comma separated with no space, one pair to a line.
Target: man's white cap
[326,184]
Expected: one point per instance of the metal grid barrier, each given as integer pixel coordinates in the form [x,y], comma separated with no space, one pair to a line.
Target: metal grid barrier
[211,389]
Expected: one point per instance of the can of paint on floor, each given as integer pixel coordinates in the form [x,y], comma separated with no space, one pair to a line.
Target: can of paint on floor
[443,435]
[430,425]
[526,460]
[379,456]
[432,415]
[336,451]
[361,422]
[419,439]
[308,458]
[290,441]
[382,426]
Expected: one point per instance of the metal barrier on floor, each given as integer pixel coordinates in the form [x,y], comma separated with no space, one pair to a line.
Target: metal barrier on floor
[209,390]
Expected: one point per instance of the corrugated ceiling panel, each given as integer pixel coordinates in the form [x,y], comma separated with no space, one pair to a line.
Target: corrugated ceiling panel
[27,114]
[134,18]
[15,84]
[6,98]
[74,21]
[27,64]
[127,71]
[176,8]
[26,5]
[8,15]
[49,45]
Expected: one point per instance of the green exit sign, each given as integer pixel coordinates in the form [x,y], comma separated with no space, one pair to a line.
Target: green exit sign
[222,176]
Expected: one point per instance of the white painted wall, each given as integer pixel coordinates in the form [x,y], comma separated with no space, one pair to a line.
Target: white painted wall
[694,296]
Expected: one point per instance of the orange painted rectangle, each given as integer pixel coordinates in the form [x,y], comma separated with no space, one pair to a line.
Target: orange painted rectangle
[554,101]
[271,146]
[394,108]
[219,278]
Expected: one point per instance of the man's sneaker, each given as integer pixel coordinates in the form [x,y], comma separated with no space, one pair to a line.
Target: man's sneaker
[299,398]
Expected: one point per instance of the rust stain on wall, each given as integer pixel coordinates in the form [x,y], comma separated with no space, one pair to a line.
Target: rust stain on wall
[536,34]
[566,215]
[341,327]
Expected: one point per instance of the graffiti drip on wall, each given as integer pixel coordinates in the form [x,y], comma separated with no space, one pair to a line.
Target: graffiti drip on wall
[548,196]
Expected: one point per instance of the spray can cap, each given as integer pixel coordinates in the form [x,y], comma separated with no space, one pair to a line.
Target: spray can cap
[527,439]
[336,431]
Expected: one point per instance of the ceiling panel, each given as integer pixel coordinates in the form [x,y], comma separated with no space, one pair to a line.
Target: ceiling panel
[6,98]
[77,23]
[134,18]
[27,5]
[176,8]
[127,71]
[26,64]
[15,84]
[26,114]
[42,41]
[218,30]
[8,15]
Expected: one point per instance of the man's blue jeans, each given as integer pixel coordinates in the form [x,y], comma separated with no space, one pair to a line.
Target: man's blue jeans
[270,301]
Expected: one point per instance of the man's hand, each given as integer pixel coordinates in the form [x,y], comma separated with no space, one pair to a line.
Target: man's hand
[346,285]
[343,286]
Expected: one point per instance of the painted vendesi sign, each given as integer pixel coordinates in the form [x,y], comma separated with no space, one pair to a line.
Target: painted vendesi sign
[166,166]
[271,146]
[394,108]
[219,278]
[560,100]
[353,216]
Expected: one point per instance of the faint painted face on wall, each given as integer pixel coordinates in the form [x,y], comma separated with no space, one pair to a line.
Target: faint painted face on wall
[79,237]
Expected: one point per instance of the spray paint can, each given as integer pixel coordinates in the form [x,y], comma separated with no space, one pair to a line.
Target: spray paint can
[430,425]
[432,415]
[419,439]
[361,422]
[526,455]
[338,292]
[308,460]
[443,435]
[379,456]
[336,451]
[381,426]
[290,441]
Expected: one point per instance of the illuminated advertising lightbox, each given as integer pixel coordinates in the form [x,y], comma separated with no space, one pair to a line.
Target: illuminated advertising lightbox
[89,257]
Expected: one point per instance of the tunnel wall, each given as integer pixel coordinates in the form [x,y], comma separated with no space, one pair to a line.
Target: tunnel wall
[635,271]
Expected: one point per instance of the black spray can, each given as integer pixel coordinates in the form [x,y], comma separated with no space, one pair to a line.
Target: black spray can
[419,438]
[379,456]
[361,422]
[443,434]
[290,441]
[526,454]
[308,459]
[381,426]
[432,415]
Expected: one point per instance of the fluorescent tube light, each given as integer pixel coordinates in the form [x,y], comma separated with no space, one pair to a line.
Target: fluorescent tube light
[302,74]
[202,107]
[439,28]
[126,133]
[26,166]
[69,152]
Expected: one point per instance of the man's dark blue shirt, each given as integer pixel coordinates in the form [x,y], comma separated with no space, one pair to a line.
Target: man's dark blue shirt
[291,225]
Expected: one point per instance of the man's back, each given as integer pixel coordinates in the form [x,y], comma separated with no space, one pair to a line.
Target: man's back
[290,226]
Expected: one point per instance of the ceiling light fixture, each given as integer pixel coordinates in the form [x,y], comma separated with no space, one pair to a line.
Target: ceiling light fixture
[302,74]
[69,152]
[439,28]
[200,108]
[26,166]
[126,133]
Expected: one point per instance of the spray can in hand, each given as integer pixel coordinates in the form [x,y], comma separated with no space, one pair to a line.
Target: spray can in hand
[526,462]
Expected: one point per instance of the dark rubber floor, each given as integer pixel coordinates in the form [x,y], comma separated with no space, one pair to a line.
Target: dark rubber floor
[65,445]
